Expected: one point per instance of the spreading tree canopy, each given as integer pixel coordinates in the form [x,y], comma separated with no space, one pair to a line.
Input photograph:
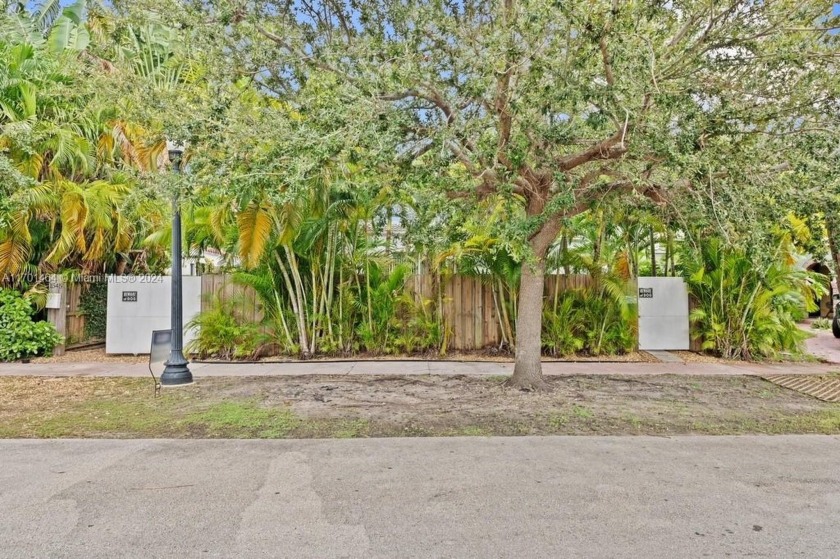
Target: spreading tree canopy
[555,105]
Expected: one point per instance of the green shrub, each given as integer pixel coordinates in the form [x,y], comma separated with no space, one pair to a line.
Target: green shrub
[222,332]
[595,320]
[20,336]
[414,326]
[747,309]
[94,305]
[377,329]
[609,324]
[561,333]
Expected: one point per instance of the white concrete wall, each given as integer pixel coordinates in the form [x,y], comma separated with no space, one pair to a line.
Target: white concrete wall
[130,324]
[663,318]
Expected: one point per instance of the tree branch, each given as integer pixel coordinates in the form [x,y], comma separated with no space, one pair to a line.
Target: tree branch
[303,57]
[605,56]
[501,103]
[611,148]
[675,40]
[462,157]
[542,238]
[602,43]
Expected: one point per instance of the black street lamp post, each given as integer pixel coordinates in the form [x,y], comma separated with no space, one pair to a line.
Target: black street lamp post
[176,372]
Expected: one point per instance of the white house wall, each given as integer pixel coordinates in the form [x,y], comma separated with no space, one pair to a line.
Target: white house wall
[130,323]
[663,314]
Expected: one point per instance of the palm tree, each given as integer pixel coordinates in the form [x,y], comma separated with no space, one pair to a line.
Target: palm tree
[85,220]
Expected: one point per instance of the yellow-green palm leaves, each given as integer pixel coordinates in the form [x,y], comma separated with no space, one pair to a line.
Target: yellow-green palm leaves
[14,244]
[85,220]
[255,225]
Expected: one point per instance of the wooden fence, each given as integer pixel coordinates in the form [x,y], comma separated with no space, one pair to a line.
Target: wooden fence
[470,306]
[469,310]
[469,313]
[223,287]
[75,318]
[69,320]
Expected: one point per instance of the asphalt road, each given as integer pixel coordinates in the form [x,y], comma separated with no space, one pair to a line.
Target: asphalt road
[639,497]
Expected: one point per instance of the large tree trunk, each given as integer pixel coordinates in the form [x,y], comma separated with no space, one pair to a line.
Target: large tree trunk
[527,373]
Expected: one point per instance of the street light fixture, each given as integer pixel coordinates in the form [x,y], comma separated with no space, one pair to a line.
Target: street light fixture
[176,372]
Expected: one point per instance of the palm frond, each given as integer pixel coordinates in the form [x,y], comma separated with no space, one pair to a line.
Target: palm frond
[45,13]
[255,226]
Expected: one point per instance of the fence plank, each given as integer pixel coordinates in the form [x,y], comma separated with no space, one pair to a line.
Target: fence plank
[457,316]
[492,333]
[207,288]
[74,319]
[478,315]
[469,312]
[449,311]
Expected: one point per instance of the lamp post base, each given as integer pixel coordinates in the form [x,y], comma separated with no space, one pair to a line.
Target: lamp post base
[176,374]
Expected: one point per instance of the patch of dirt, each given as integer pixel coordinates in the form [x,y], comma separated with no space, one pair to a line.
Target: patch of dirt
[694,357]
[24,394]
[573,405]
[429,405]
[91,355]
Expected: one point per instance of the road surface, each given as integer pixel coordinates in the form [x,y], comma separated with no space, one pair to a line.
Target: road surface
[452,497]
